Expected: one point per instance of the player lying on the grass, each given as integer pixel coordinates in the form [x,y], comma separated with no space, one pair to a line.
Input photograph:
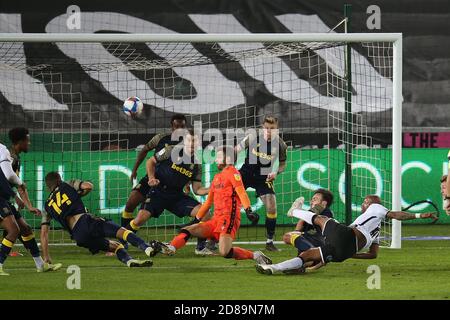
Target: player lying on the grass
[169,171]
[12,222]
[228,195]
[342,242]
[306,236]
[258,170]
[64,204]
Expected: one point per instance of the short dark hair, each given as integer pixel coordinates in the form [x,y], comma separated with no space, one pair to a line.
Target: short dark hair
[444,178]
[178,116]
[228,151]
[327,196]
[52,178]
[18,134]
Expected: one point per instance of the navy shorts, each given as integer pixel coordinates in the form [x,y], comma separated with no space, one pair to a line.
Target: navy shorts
[91,232]
[259,183]
[8,209]
[179,204]
[142,187]
[311,240]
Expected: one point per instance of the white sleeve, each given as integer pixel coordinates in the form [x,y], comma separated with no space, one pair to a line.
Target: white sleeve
[6,167]
[378,210]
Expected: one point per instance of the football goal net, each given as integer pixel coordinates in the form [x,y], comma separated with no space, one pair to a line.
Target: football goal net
[337,98]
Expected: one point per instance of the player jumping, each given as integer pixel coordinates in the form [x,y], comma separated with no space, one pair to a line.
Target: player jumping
[12,221]
[140,191]
[64,204]
[257,171]
[167,178]
[342,242]
[228,195]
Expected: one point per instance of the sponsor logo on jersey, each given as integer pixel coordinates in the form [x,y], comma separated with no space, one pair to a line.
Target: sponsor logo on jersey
[182,170]
[237,177]
[262,155]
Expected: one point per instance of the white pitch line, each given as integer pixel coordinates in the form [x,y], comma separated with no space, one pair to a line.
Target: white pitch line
[153,267]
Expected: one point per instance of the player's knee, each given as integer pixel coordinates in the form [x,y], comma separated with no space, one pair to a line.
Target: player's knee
[141,218]
[114,245]
[13,232]
[133,201]
[26,230]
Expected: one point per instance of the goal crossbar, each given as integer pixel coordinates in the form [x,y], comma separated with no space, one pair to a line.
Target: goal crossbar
[202,37]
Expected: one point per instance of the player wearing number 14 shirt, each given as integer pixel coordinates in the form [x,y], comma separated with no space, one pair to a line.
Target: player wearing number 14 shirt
[64,204]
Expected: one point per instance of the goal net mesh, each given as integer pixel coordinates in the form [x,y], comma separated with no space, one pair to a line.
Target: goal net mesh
[70,96]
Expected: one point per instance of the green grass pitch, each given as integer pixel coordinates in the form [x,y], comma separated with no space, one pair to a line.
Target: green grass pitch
[420,270]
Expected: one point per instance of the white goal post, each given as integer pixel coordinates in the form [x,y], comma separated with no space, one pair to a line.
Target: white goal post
[394,39]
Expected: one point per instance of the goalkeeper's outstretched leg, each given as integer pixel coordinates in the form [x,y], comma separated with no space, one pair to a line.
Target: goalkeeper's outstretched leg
[210,230]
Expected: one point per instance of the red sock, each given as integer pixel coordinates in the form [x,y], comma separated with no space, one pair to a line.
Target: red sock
[242,254]
[179,241]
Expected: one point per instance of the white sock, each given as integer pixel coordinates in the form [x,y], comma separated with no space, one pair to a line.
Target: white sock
[291,264]
[39,262]
[1,265]
[303,215]
[269,241]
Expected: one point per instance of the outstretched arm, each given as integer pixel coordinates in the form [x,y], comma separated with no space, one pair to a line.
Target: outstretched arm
[150,167]
[45,228]
[140,157]
[372,254]
[22,189]
[151,145]
[199,189]
[81,187]
[205,206]
[401,215]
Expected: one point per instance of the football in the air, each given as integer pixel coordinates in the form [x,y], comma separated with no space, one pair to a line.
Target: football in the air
[133,106]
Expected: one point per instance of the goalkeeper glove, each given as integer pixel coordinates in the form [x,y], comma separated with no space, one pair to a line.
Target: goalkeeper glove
[253,217]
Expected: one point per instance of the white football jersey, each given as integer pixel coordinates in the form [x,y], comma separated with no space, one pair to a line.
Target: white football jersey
[4,154]
[369,223]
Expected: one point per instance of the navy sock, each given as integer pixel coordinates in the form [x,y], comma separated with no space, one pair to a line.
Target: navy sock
[134,240]
[31,245]
[5,249]
[123,255]
[201,243]
[270,227]
[124,222]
